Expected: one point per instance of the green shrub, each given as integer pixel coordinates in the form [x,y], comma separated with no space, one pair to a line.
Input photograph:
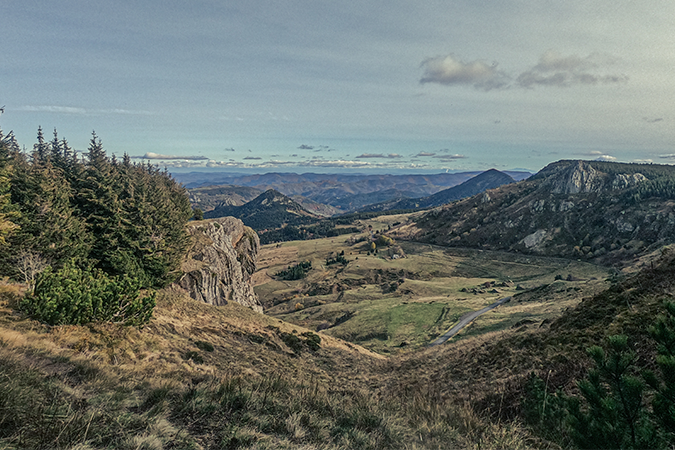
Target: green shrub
[75,296]
[295,272]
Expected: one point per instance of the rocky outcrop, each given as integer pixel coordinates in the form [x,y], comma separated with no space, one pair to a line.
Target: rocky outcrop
[609,212]
[581,177]
[220,262]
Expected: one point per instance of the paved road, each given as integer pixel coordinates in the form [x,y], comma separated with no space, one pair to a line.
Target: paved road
[467,319]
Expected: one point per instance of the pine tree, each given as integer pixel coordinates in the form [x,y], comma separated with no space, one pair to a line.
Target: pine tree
[615,416]
[49,223]
[41,148]
[663,403]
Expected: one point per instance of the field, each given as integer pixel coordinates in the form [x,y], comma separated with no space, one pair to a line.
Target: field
[391,305]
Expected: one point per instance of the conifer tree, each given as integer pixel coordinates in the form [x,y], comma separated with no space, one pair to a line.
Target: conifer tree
[615,416]
[41,148]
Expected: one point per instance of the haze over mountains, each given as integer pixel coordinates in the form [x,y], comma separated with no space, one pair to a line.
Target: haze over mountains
[330,195]
[489,179]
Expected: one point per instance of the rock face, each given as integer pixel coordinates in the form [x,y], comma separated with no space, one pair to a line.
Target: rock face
[220,263]
[581,177]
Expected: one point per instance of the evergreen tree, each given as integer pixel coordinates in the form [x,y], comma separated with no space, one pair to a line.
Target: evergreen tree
[663,402]
[615,416]
[41,148]
[49,223]
[8,214]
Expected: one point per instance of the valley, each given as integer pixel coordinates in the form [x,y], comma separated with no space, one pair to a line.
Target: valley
[398,305]
[325,341]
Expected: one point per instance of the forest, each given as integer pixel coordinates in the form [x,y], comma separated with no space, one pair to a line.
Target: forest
[66,217]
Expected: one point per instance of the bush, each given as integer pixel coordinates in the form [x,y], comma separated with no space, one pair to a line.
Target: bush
[74,296]
[295,272]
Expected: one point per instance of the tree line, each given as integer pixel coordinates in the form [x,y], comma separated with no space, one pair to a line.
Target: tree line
[111,217]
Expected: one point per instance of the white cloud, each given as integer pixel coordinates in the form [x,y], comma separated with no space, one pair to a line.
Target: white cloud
[151,155]
[81,111]
[449,157]
[449,70]
[608,158]
[53,109]
[379,155]
[554,69]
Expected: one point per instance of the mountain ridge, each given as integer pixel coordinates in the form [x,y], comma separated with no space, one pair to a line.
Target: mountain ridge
[489,179]
[581,209]
[271,209]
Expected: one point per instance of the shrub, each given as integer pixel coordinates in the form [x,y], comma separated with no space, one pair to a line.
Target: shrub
[295,272]
[74,296]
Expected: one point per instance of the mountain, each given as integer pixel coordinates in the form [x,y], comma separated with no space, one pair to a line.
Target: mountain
[347,192]
[582,209]
[208,198]
[271,209]
[320,209]
[489,179]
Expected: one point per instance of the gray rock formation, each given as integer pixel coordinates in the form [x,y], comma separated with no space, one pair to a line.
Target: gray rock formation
[581,177]
[220,262]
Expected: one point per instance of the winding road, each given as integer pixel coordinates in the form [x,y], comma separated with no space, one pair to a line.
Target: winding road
[467,319]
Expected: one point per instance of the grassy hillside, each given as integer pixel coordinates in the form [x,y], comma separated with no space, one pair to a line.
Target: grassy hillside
[607,212]
[200,376]
[492,371]
[389,305]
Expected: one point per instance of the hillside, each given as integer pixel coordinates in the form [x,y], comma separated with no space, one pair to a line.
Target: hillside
[495,372]
[270,209]
[580,209]
[203,376]
[489,179]
[208,198]
[345,192]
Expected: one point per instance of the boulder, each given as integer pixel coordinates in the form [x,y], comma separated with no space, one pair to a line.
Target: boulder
[220,262]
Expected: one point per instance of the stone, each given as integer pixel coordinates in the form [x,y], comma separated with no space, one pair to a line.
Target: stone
[220,262]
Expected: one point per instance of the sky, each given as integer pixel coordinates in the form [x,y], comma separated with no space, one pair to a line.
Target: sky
[368,85]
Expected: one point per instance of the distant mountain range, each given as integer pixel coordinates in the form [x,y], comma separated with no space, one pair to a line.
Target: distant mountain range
[342,192]
[583,209]
[271,209]
[489,179]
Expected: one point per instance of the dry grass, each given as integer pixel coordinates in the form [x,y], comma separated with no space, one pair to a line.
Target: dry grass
[440,285]
[205,376]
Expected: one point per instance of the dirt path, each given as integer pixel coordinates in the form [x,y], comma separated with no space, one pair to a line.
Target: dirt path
[467,319]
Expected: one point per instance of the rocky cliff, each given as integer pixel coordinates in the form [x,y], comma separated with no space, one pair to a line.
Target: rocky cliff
[581,177]
[610,212]
[220,262]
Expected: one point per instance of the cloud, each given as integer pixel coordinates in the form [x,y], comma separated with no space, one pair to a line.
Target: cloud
[252,157]
[557,70]
[306,147]
[54,109]
[553,69]
[151,155]
[449,157]
[670,156]
[605,158]
[229,149]
[420,154]
[80,111]
[655,120]
[379,155]
[449,70]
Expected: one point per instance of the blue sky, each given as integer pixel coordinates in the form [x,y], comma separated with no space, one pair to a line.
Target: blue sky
[370,85]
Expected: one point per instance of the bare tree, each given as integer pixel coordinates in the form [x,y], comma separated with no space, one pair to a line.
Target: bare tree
[29,264]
